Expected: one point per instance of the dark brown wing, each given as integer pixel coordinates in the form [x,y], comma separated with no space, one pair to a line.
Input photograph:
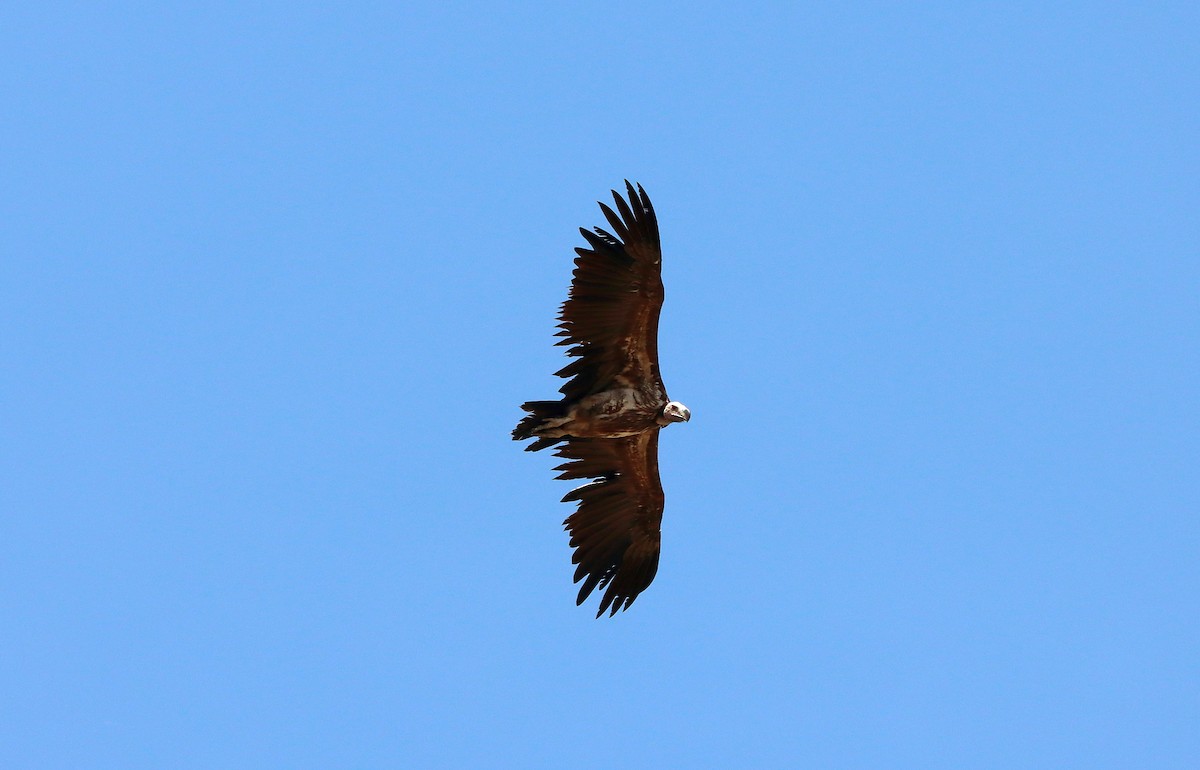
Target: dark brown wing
[610,317]
[616,529]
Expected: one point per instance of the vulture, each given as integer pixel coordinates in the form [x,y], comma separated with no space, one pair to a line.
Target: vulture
[613,404]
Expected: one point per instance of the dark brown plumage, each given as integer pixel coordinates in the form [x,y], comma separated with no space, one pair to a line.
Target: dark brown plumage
[614,404]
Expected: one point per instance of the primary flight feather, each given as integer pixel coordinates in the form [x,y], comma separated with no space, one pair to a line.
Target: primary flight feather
[613,406]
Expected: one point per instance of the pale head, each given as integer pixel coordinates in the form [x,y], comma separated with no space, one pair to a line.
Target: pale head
[675,412]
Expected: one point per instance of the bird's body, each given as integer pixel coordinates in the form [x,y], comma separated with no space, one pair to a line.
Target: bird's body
[614,413]
[613,406]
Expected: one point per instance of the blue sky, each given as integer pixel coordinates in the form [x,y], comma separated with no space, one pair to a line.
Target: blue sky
[274,278]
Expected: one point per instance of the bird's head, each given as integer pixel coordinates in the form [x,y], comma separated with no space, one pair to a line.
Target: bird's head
[675,412]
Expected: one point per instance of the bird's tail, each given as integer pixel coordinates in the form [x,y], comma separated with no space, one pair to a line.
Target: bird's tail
[539,413]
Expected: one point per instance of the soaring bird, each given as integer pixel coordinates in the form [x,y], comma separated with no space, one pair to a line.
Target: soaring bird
[613,406]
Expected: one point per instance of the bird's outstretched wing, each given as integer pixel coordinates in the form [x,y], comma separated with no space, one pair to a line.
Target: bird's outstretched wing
[616,530]
[610,318]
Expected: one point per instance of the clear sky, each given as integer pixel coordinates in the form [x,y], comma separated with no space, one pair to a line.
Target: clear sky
[274,278]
